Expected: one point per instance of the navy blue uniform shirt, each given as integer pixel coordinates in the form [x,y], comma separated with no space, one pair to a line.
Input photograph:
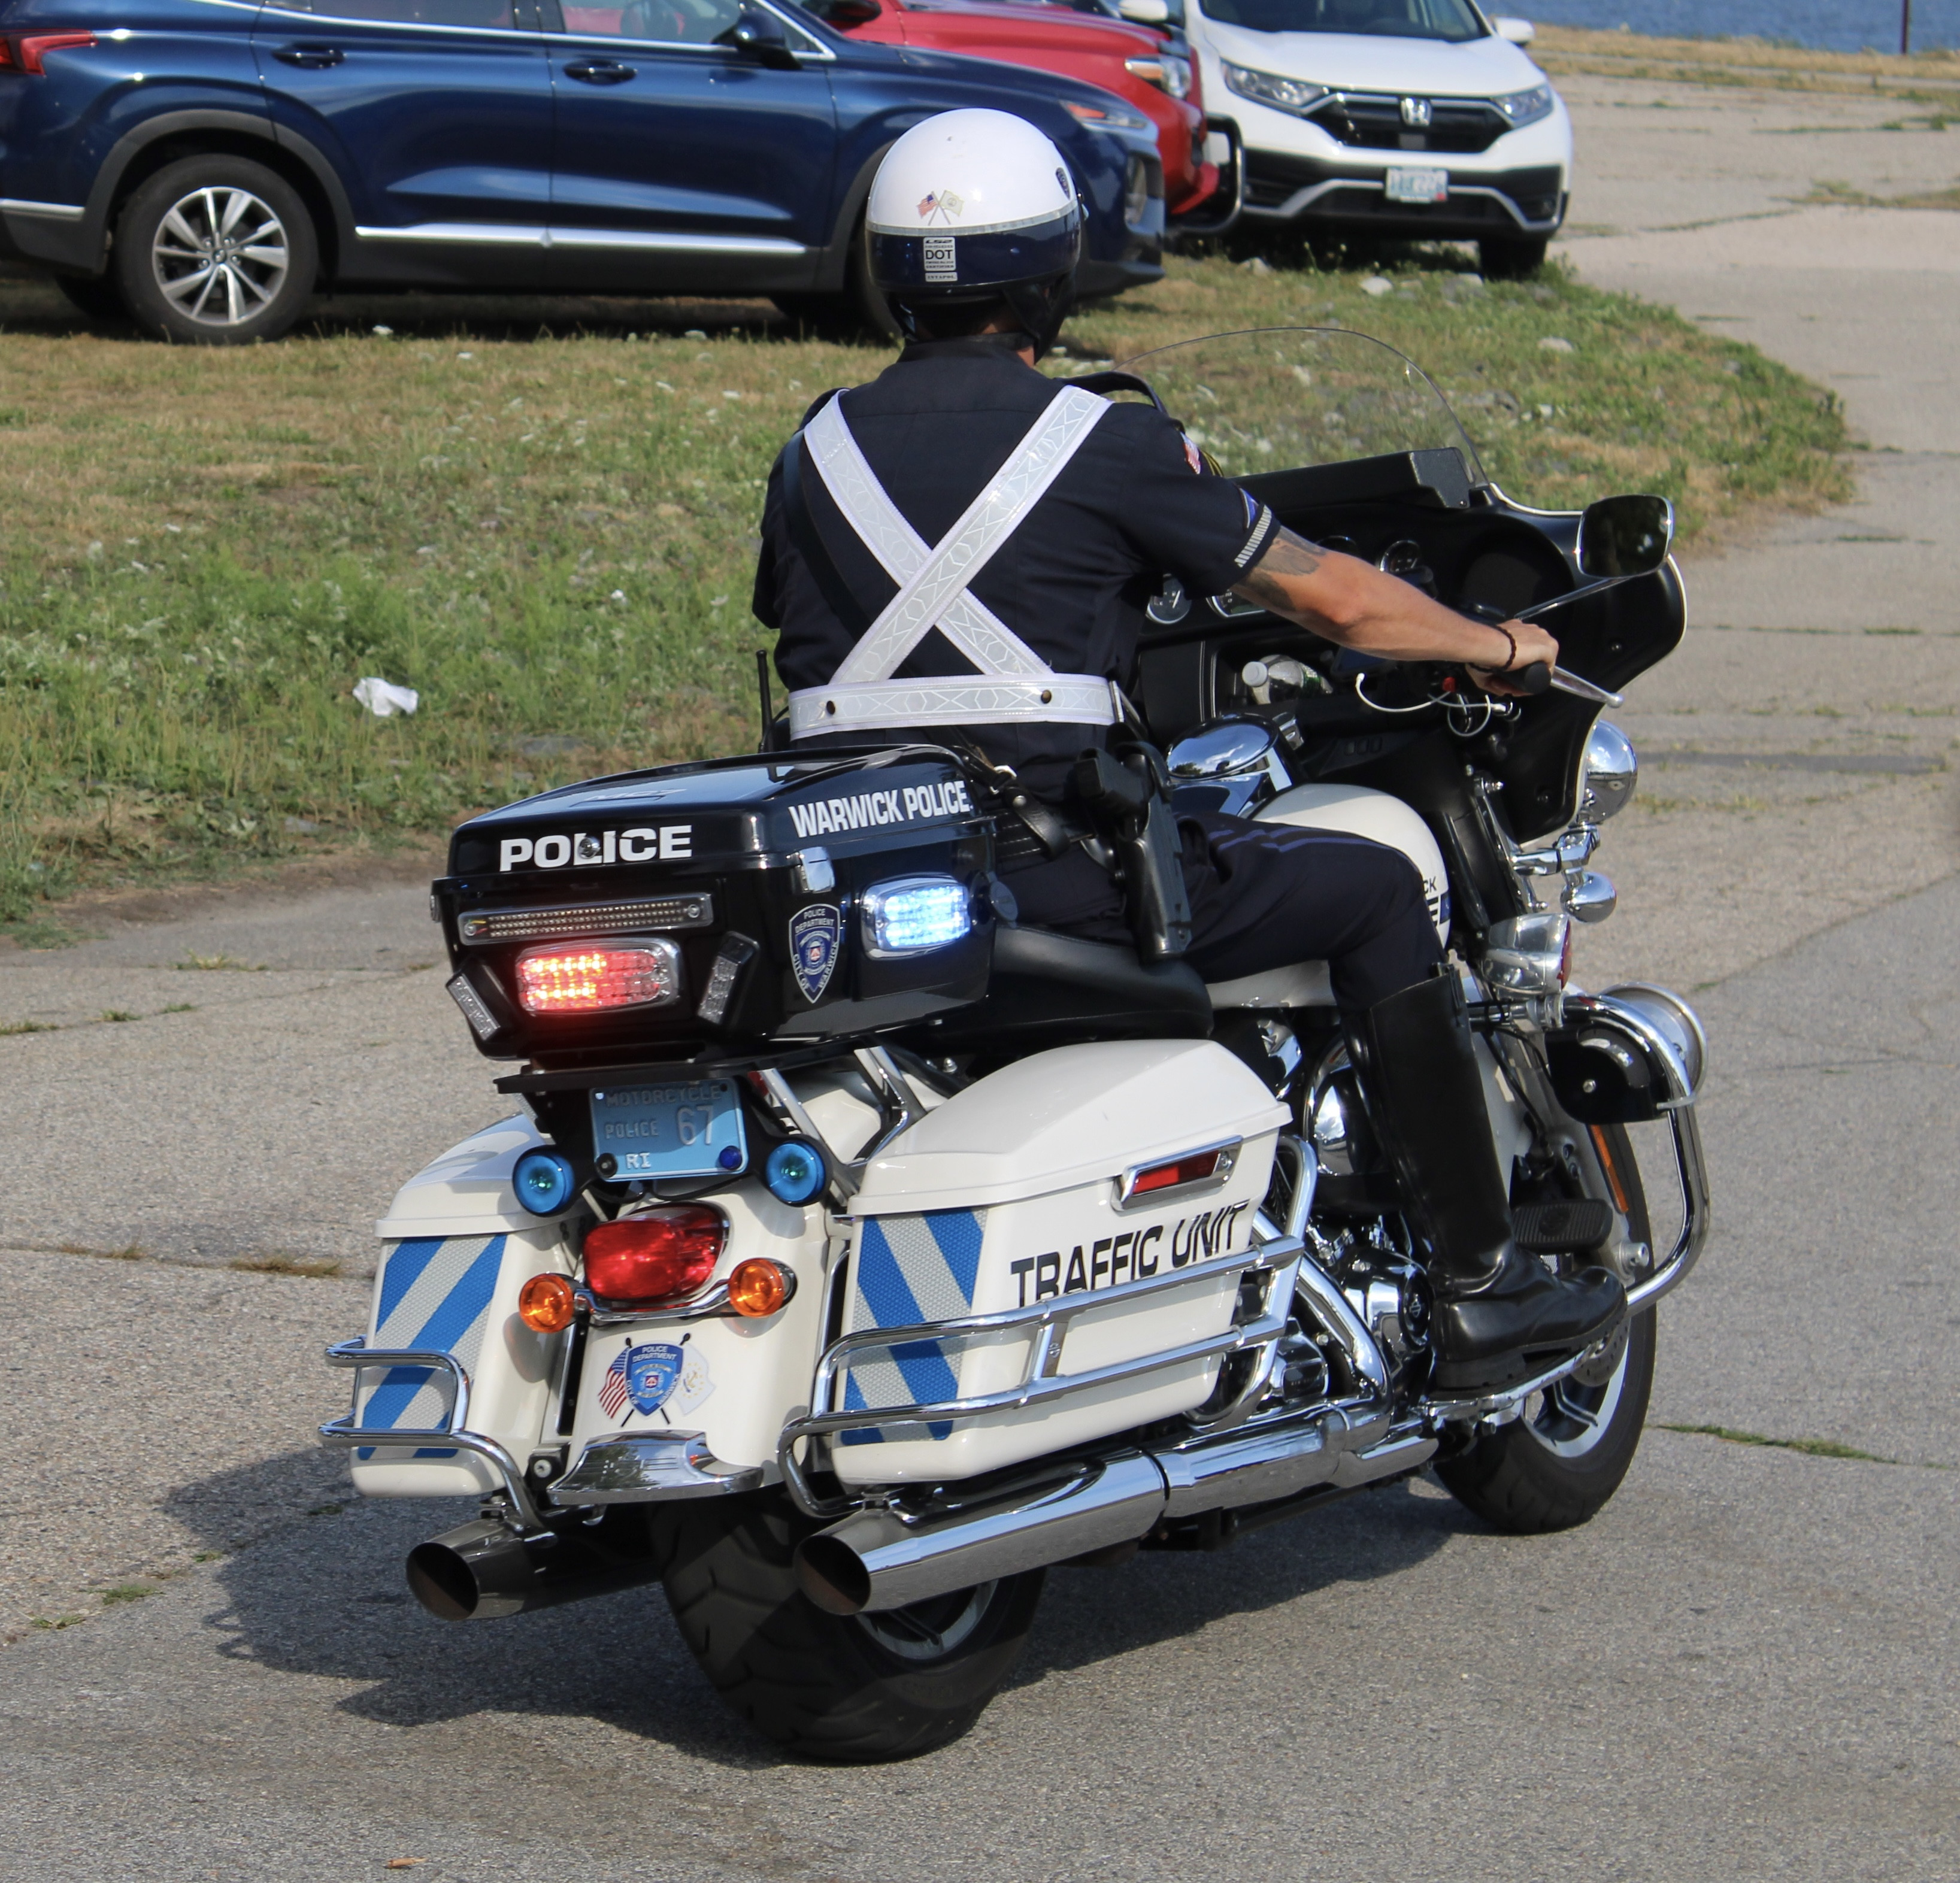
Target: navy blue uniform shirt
[1072,580]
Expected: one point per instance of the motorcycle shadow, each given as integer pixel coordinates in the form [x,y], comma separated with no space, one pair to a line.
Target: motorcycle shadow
[324,1598]
[1096,1614]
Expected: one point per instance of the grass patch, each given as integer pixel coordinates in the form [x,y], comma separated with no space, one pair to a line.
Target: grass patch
[126,1592]
[551,537]
[180,1006]
[11,1028]
[116,1015]
[129,1252]
[57,1621]
[315,1267]
[1810,1448]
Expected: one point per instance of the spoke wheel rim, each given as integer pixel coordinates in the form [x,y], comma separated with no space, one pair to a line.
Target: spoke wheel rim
[220,254]
[930,1631]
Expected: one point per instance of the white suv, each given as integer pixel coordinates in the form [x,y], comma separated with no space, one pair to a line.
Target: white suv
[1409,119]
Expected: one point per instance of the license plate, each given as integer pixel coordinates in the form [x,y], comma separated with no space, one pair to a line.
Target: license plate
[1418,186]
[675,1128]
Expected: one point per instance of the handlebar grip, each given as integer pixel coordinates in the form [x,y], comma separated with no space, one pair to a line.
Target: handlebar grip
[1534,679]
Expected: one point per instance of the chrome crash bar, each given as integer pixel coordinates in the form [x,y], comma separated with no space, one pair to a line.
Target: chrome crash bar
[344,1435]
[1042,1380]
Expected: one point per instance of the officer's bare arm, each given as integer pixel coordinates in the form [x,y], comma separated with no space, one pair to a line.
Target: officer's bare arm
[1343,599]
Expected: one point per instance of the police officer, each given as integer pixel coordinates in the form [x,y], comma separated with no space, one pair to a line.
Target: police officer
[964,548]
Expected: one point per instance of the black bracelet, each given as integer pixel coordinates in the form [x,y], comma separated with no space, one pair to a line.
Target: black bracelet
[1514,640]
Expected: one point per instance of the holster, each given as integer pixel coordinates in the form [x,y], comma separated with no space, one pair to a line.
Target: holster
[1128,794]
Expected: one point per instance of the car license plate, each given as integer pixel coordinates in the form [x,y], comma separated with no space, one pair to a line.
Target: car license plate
[672,1128]
[1418,186]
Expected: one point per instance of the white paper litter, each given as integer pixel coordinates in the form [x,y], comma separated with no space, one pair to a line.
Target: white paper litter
[384,699]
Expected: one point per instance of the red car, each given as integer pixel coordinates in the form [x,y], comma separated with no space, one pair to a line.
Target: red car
[1134,62]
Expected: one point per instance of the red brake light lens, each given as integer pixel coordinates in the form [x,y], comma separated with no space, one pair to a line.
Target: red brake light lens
[30,47]
[591,978]
[1179,1170]
[6,57]
[656,1255]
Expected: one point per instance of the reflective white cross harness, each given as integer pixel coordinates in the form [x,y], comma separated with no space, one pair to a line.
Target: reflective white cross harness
[1014,683]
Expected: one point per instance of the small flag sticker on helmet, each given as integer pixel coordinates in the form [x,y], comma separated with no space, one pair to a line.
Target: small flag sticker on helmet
[941,262]
[928,204]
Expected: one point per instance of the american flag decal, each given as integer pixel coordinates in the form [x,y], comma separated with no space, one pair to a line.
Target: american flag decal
[612,1388]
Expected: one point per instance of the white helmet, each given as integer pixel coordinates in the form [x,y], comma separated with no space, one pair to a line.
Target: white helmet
[976,206]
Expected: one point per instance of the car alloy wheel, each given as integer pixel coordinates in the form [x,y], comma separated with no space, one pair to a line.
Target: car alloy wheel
[221,255]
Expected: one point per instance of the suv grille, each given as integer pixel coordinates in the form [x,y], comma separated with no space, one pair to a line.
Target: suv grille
[1368,121]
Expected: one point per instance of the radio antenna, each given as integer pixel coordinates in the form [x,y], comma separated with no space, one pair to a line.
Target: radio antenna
[768,705]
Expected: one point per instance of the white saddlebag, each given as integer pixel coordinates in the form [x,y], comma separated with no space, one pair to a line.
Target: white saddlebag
[1009,1196]
[456,1248]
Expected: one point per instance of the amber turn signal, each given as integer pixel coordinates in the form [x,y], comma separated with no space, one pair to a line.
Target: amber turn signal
[759,1287]
[547,1303]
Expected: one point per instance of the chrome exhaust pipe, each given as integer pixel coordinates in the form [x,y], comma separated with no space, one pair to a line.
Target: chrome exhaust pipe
[882,1558]
[486,1569]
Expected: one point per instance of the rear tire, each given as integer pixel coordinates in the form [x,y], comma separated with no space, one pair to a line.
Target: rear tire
[844,1690]
[215,251]
[1556,1466]
[1511,257]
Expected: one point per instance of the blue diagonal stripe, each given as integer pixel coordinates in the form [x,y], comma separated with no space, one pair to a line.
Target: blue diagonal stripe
[454,1317]
[390,1399]
[406,1261]
[882,1286]
[958,1234]
[882,1283]
[464,1302]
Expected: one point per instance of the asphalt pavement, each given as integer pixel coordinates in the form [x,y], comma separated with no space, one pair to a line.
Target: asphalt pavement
[1744,1667]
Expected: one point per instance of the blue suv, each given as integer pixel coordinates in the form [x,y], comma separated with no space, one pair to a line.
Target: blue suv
[205,166]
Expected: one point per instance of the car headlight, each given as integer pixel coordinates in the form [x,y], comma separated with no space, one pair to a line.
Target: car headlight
[1268,88]
[1165,70]
[1525,107]
[1105,117]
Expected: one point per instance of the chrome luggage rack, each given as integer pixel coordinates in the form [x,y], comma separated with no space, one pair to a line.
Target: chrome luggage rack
[1042,1380]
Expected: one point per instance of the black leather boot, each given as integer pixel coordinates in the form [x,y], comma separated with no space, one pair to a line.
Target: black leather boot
[1500,1316]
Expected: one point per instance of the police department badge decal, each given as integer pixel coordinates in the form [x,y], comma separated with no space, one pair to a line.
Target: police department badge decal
[814,933]
[644,1375]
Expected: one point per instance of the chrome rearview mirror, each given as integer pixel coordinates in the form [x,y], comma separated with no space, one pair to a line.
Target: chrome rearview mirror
[1620,536]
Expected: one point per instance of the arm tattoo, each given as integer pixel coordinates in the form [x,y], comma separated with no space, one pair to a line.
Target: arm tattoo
[1289,555]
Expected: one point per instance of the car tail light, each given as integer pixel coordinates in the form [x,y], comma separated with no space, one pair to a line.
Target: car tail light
[655,1255]
[594,977]
[30,48]
[7,57]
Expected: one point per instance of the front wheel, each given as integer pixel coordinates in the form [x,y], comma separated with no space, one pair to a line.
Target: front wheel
[1555,1466]
[851,1690]
[860,312]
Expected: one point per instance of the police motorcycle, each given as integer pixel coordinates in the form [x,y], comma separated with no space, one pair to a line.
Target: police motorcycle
[857,1253]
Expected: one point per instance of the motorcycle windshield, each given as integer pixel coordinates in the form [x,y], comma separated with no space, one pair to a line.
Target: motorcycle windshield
[1273,398]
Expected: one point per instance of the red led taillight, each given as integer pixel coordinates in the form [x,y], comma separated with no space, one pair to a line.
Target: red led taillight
[656,1255]
[591,977]
[30,48]
[1179,1170]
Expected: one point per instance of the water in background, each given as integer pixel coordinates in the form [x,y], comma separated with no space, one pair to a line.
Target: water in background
[1841,25]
